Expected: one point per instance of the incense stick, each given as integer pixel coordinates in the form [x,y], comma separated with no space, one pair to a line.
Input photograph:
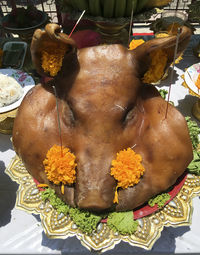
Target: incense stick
[58,118]
[54,88]
[77,23]
[130,27]
[172,73]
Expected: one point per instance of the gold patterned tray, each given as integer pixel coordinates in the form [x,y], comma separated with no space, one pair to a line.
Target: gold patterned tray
[6,121]
[177,213]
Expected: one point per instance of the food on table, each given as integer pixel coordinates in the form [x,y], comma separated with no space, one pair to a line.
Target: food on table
[104,109]
[197,82]
[10,90]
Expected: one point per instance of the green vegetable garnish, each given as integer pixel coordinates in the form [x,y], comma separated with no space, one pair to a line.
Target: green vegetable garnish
[56,202]
[163,93]
[122,222]
[160,200]
[194,166]
[194,131]
[86,221]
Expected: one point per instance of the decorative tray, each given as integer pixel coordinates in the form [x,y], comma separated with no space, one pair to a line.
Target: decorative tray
[178,212]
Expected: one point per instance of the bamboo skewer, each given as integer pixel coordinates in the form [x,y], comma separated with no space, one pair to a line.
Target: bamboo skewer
[130,26]
[77,23]
[56,96]
[172,73]
[58,118]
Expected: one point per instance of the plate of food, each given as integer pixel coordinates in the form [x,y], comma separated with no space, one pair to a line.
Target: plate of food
[14,86]
[192,78]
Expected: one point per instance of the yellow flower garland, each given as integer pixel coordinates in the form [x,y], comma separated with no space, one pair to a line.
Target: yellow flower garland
[157,67]
[135,43]
[158,63]
[126,169]
[60,166]
[52,57]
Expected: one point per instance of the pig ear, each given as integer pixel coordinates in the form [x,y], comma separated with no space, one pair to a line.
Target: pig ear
[142,52]
[50,36]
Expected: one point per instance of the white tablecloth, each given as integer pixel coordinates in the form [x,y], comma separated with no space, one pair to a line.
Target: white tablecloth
[21,233]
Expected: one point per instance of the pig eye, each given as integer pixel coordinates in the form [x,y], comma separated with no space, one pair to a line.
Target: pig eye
[69,118]
[130,114]
[71,115]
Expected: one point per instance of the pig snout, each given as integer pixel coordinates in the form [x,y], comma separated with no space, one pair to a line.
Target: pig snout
[94,186]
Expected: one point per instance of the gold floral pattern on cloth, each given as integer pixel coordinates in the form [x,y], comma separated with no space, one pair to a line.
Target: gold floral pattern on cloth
[177,213]
[6,121]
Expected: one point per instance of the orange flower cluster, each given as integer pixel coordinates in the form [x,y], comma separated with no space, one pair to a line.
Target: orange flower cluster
[60,167]
[126,169]
[197,82]
[52,57]
[157,67]
[135,43]
[158,63]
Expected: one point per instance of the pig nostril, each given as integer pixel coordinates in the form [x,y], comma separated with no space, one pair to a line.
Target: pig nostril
[93,201]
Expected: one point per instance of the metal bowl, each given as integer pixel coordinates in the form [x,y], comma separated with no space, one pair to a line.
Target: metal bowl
[26,33]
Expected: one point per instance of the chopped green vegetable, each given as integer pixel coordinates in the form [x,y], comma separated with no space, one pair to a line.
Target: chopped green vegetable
[56,202]
[160,200]
[86,221]
[122,222]
[194,131]
[194,166]
[163,93]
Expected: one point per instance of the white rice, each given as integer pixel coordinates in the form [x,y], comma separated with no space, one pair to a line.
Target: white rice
[10,90]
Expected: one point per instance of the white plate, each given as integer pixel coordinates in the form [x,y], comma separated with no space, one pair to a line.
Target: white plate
[25,80]
[191,75]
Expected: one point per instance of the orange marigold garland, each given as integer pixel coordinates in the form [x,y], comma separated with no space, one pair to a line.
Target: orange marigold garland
[157,68]
[135,43]
[197,82]
[60,168]
[158,62]
[126,169]
[52,57]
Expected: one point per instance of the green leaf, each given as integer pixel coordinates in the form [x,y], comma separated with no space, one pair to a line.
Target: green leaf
[122,222]
[160,200]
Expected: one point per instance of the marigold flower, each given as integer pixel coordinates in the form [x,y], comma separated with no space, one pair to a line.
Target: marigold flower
[158,63]
[126,169]
[52,57]
[135,43]
[60,167]
[157,67]
[197,82]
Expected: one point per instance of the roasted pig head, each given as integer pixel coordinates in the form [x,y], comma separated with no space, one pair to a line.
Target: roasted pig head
[104,107]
